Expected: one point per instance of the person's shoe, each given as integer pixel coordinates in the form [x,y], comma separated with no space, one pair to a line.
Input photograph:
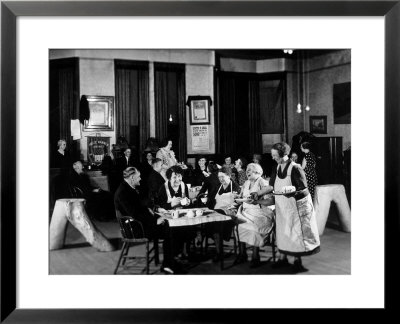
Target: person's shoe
[298,267]
[255,263]
[167,270]
[280,264]
[242,258]
[216,258]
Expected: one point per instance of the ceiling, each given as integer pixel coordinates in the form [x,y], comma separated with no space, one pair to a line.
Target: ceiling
[264,54]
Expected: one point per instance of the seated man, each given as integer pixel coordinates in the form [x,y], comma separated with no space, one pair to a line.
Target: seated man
[99,204]
[128,202]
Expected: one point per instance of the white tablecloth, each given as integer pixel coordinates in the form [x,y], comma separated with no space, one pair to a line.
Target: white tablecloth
[208,217]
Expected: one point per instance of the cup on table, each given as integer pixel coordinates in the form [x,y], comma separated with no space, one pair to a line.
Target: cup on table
[190,214]
[199,212]
[204,199]
[175,214]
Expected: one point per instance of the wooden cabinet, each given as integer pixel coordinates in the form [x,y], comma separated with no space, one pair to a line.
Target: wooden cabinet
[329,154]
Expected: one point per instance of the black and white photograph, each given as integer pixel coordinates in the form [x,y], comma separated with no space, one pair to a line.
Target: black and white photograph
[199,162]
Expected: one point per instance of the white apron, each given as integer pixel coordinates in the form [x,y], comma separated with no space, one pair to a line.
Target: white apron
[224,201]
[296,225]
[255,221]
[169,194]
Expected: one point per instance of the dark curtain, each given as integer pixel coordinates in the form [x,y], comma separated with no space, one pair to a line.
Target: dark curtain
[247,108]
[227,118]
[272,106]
[64,103]
[169,88]
[132,103]
[161,104]
[255,144]
[182,116]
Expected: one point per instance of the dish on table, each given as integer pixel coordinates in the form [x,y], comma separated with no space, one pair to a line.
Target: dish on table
[283,193]
[242,200]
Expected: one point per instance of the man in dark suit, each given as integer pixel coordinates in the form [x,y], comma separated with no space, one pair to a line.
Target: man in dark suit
[128,202]
[125,161]
[155,180]
[99,203]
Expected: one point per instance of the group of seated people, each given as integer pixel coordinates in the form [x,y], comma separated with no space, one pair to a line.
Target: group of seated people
[235,190]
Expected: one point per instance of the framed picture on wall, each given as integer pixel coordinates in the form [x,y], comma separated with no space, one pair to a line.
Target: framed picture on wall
[199,109]
[318,125]
[101,113]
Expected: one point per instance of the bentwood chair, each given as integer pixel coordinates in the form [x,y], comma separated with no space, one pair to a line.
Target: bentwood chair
[133,234]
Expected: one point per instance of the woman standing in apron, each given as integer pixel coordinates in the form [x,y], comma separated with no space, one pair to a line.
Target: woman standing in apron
[296,226]
[255,220]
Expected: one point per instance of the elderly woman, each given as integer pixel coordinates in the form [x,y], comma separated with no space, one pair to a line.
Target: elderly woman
[174,194]
[61,157]
[167,156]
[223,201]
[255,220]
[296,226]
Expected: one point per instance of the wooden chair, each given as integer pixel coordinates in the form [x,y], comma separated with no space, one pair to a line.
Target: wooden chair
[75,192]
[133,233]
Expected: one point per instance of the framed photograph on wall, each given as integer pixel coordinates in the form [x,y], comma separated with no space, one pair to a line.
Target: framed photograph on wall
[101,112]
[199,110]
[318,125]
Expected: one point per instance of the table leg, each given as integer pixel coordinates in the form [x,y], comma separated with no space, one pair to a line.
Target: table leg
[221,244]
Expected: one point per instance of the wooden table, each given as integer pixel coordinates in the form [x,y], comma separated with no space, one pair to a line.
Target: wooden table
[209,216]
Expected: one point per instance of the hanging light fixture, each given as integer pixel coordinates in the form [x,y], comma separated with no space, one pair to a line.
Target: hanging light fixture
[170,117]
[298,87]
[308,86]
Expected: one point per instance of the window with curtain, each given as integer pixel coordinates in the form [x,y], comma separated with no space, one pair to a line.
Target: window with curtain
[248,105]
[169,90]
[132,103]
[64,103]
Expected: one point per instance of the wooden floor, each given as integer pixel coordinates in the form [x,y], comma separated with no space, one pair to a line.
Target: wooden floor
[78,257]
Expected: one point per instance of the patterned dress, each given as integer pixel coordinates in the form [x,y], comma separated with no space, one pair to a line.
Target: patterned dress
[311,173]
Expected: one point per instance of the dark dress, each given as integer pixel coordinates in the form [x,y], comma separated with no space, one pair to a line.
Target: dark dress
[128,202]
[162,199]
[311,173]
[198,177]
[212,184]
[61,161]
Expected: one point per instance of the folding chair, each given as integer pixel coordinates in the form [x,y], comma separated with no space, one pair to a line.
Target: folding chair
[133,233]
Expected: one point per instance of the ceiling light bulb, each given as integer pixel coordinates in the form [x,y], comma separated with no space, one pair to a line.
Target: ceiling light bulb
[298,108]
[285,51]
[290,51]
[170,118]
[308,108]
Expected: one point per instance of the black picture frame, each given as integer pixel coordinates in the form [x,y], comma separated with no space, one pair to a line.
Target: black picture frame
[318,125]
[11,10]
[199,107]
